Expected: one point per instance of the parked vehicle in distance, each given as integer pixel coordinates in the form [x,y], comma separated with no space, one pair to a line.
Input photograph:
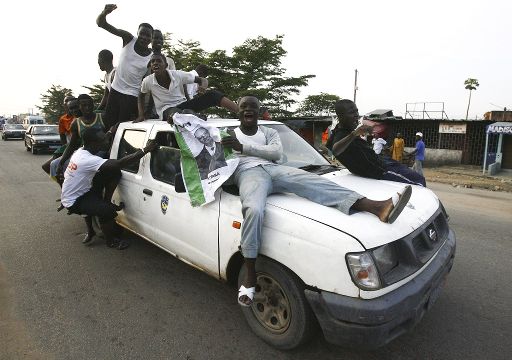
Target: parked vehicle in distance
[363,281]
[13,131]
[33,120]
[42,138]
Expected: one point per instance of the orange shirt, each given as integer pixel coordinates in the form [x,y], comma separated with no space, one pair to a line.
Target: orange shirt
[65,124]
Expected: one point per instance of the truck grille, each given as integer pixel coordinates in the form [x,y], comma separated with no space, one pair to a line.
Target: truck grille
[416,249]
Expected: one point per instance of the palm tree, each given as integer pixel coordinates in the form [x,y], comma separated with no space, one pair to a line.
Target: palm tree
[470,84]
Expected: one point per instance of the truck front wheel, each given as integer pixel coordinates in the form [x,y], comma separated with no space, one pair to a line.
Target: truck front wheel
[280,313]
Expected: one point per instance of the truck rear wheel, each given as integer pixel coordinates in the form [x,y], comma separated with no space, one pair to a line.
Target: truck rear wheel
[280,313]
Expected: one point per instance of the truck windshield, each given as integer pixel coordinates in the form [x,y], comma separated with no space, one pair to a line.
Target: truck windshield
[296,151]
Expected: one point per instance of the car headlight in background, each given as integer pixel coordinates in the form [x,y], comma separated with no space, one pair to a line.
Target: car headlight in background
[363,270]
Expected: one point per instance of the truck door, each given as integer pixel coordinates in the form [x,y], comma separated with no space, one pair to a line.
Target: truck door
[190,233]
[130,189]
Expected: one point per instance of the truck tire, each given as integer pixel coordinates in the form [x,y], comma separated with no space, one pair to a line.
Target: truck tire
[280,314]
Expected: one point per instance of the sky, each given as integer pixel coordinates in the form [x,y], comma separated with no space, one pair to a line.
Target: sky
[405,51]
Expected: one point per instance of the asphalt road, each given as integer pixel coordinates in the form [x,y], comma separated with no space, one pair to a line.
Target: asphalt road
[62,300]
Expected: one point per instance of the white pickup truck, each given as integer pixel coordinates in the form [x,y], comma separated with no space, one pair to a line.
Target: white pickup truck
[362,281]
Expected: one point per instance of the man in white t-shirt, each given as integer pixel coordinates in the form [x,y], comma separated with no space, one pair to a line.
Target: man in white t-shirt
[166,87]
[258,176]
[378,144]
[84,179]
[105,58]
[131,68]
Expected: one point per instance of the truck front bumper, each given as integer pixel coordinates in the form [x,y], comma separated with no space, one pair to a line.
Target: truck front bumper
[356,322]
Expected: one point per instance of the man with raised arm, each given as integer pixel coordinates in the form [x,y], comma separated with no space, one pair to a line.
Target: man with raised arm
[131,68]
[257,176]
[357,156]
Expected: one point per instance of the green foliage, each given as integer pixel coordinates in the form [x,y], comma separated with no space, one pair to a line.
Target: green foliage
[96,92]
[253,68]
[471,84]
[53,103]
[318,105]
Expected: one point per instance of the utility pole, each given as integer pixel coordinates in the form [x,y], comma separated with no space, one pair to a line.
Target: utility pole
[355,85]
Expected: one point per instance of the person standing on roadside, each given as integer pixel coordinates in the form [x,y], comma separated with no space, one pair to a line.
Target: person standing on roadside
[105,58]
[122,101]
[397,149]
[419,154]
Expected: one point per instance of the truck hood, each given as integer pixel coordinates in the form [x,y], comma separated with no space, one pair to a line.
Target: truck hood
[365,227]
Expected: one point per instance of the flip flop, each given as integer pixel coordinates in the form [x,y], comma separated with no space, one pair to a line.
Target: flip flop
[399,201]
[249,292]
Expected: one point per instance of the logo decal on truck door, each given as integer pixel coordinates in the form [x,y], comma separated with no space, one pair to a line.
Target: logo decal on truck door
[164,203]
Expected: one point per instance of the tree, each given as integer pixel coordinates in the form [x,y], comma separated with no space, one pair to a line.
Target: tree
[53,103]
[96,92]
[318,105]
[253,68]
[470,84]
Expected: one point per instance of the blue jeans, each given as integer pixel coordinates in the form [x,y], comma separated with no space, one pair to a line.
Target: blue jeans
[256,183]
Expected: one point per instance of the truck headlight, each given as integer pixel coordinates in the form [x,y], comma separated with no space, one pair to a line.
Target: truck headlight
[363,270]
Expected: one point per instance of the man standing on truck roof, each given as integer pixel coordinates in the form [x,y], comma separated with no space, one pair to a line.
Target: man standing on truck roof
[258,176]
[85,177]
[131,68]
[357,156]
[105,63]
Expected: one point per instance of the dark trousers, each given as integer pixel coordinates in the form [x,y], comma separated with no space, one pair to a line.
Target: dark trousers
[92,202]
[202,102]
[120,108]
[396,171]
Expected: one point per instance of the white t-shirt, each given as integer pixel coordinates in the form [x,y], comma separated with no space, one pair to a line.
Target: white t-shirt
[378,144]
[108,78]
[78,175]
[192,88]
[130,70]
[170,63]
[247,162]
[166,98]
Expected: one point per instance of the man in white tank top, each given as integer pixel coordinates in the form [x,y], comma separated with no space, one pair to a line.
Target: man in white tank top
[105,58]
[258,176]
[122,101]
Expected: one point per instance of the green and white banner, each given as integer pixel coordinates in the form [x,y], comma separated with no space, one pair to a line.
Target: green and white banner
[205,164]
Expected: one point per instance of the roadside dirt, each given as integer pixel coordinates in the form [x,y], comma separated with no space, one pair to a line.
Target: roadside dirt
[468,177]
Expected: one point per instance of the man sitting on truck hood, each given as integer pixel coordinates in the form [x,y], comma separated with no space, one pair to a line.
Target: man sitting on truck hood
[355,153]
[258,176]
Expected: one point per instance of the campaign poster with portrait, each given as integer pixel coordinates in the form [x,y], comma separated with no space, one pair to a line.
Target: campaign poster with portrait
[205,164]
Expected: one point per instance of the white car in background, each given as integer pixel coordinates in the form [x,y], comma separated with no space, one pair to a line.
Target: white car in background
[42,138]
[364,282]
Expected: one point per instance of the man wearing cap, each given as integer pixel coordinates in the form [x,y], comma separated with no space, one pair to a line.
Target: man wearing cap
[419,154]
[357,156]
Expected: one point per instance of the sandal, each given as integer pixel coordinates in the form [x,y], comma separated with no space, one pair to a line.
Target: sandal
[399,201]
[249,292]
